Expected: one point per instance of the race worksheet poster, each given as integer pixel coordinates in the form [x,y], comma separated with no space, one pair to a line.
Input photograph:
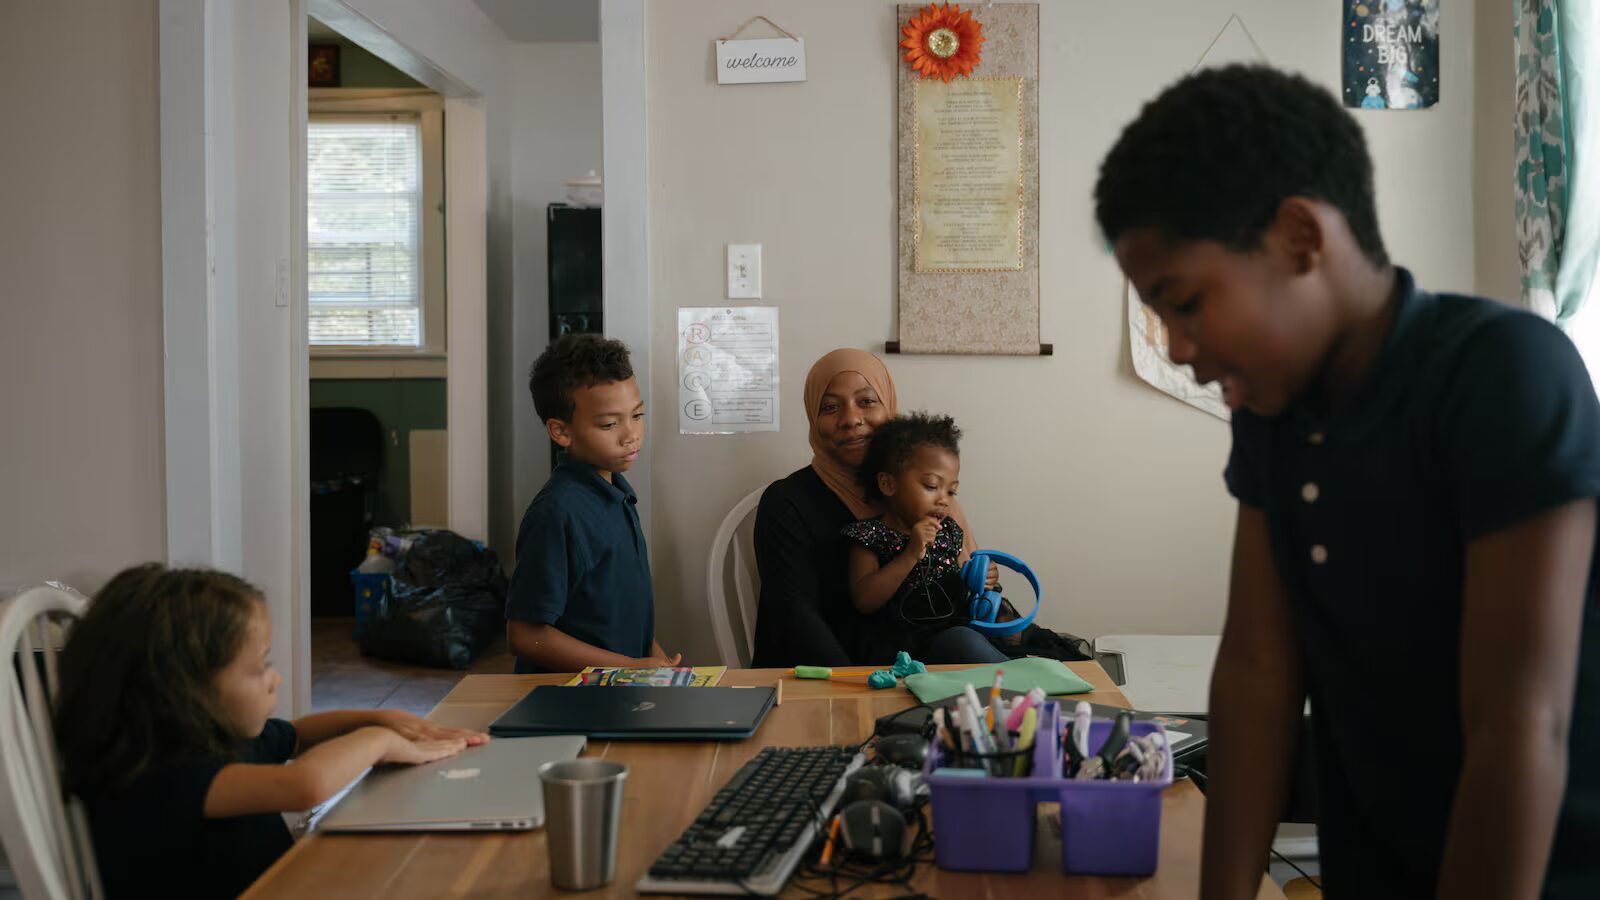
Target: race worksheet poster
[727,369]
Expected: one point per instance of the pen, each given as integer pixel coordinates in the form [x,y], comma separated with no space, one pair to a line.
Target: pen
[1002,737]
[981,743]
[994,694]
[833,835]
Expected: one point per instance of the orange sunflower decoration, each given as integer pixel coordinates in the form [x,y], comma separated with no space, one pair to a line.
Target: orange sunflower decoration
[942,41]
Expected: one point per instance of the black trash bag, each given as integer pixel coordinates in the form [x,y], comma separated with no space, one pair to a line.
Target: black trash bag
[445,604]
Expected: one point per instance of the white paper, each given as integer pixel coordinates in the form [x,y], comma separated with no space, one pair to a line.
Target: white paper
[1147,340]
[727,369]
[758,62]
[1147,337]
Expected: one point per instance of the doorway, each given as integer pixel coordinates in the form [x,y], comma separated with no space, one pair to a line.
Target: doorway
[395,330]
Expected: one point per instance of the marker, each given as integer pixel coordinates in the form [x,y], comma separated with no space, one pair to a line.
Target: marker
[978,717]
[1028,701]
[1030,728]
[824,673]
[1080,731]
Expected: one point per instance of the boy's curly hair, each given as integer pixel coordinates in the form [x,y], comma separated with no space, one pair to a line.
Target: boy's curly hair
[897,440]
[1215,155]
[572,362]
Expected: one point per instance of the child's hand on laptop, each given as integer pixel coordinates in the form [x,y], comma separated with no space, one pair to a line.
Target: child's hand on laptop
[415,728]
[402,751]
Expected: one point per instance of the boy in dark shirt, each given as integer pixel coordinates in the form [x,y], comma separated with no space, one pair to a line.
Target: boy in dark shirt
[1416,477]
[581,594]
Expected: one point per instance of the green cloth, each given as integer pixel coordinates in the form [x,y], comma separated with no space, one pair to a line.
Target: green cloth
[1020,675]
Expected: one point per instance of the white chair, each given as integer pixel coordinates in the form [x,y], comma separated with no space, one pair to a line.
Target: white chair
[46,836]
[746,587]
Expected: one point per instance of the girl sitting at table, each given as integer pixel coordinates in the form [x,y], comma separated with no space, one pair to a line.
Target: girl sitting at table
[165,732]
[905,565]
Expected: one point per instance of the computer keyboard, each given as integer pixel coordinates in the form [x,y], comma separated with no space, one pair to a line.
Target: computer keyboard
[755,831]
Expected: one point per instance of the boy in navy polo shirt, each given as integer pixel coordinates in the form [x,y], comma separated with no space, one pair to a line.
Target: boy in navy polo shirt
[1414,546]
[580,595]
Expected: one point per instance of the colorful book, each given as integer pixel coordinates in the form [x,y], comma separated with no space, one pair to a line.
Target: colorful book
[666,676]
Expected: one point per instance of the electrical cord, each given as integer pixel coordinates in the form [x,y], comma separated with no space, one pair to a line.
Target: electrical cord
[858,874]
[1309,880]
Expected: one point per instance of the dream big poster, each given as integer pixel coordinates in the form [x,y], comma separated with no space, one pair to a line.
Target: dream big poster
[1391,53]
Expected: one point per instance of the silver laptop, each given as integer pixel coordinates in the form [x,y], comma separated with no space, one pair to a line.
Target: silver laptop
[491,787]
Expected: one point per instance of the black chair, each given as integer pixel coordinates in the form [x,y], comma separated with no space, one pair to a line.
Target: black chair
[346,465]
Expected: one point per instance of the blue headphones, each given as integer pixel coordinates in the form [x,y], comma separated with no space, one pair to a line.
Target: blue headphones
[986,604]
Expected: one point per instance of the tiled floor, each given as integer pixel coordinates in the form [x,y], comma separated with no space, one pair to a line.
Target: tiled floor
[341,678]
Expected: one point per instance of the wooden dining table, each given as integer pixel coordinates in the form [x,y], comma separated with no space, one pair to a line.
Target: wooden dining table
[668,784]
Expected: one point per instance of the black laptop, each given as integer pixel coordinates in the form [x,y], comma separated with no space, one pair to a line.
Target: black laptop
[638,712]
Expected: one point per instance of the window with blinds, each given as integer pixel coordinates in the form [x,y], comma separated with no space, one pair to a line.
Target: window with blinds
[364,231]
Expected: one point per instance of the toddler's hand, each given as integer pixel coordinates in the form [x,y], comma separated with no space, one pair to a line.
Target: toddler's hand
[412,753]
[992,583]
[922,535]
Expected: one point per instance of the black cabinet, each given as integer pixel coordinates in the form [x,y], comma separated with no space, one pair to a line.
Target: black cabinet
[574,265]
[576,305]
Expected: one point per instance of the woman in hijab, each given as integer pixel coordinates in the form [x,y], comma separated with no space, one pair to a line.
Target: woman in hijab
[805,615]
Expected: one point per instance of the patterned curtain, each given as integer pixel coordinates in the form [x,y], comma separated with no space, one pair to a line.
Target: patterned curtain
[1557,205]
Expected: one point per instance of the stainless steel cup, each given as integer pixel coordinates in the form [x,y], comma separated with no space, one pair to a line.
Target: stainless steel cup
[582,810]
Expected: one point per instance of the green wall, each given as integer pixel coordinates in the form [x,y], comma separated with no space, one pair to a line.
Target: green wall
[401,405]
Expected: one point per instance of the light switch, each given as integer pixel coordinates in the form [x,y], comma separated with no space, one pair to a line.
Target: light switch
[744,271]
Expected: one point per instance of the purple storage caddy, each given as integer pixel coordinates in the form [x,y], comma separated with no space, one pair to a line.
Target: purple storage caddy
[1112,827]
[987,824]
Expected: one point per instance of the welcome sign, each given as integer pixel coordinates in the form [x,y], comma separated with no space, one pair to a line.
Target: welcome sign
[761,61]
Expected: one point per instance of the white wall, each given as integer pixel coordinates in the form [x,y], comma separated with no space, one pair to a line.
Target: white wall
[1494,81]
[1111,490]
[81,463]
[555,121]
[455,35]
[258,238]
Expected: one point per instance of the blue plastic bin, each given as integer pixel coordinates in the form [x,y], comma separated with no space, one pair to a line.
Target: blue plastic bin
[370,588]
